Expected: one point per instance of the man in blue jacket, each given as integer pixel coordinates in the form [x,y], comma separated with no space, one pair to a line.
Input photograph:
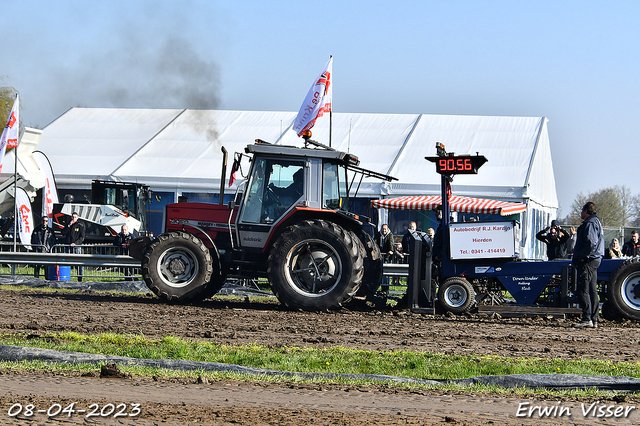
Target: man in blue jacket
[587,255]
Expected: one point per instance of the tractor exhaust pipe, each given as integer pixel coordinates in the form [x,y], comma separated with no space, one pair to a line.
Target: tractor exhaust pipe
[224,173]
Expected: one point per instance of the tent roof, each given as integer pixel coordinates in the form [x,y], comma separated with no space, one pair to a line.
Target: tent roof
[171,149]
[456,203]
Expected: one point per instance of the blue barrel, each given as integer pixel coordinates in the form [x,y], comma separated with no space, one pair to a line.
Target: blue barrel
[58,273]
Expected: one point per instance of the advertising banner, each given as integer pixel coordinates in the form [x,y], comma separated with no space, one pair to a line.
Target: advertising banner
[25,218]
[484,240]
[49,192]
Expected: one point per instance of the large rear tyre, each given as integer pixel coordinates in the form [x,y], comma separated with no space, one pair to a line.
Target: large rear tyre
[178,267]
[624,290]
[372,265]
[456,295]
[315,265]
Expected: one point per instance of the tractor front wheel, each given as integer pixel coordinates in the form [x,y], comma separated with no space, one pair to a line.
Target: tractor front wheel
[178,267]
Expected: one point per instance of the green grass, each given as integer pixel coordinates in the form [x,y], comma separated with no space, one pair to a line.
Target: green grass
[421,365]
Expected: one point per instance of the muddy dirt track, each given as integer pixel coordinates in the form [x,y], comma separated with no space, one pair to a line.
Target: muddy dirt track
[184,401]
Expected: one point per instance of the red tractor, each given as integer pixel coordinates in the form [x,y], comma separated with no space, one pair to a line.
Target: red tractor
[291,224]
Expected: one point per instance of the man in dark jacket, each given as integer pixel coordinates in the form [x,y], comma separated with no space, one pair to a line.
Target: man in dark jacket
[386,242]
[407,238]
[587,255]
[75,237]
[123,239]
[632,247]
[555,238]
[42,240]
[570,244]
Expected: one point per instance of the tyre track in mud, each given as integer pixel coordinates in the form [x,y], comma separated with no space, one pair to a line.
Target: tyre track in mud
[188,401]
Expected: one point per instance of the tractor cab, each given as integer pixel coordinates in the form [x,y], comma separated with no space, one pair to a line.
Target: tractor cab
[285,180]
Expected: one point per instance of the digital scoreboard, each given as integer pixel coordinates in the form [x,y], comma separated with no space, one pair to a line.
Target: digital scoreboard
[458,164]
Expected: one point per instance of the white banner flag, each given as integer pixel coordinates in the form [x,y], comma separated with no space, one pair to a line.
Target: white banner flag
[317,102]
[25,218]
[9,138]
[49,192]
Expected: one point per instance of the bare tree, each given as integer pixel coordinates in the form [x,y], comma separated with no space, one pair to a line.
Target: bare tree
[629,205]
[609,202]
[7,98]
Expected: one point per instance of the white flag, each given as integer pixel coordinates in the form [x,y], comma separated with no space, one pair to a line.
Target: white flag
[9,136]
[25,218]
[317,102]
[49,192]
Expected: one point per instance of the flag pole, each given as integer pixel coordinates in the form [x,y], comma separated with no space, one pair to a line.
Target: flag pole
[15,185]
[331,111]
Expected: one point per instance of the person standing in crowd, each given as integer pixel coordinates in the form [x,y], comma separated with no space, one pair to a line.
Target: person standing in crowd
[386,242]
[613,252]
[431,233]
[75,237]
[406,239]
[632,247]
[438,244]
[587,255]
[570,244]
[123,239]
[42,240]
[554,237]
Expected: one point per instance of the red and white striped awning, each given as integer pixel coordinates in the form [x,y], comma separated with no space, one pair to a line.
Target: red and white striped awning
[456,203]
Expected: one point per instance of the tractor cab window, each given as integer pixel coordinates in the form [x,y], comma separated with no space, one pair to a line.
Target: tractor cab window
[274,186]
[128,200]
[121,196]
[334,186]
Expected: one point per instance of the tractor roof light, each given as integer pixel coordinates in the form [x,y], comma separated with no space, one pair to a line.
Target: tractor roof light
[352,160]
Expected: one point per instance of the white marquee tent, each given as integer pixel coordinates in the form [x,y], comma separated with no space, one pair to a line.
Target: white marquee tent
[179,151]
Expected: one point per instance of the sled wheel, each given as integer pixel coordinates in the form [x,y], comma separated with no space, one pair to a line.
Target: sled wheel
[456,295]
[177,267]
[624,290]
[315,265]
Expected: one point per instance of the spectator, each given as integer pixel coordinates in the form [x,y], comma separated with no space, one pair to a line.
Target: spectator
[431,233]
[632,247]
[42,240]
[554,237]
[570,244]
[75,237]
[386,242]
[438,243]
[587,256]
[613,252]
[407,238]
[123,239]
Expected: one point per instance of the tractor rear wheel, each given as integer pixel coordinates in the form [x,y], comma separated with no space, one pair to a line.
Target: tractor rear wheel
[456,295]
[178,267]
[624,290]
[315,265]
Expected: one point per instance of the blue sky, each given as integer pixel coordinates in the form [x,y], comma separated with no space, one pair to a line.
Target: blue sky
[574,62]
